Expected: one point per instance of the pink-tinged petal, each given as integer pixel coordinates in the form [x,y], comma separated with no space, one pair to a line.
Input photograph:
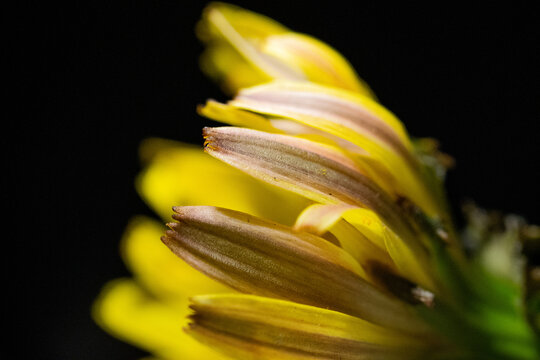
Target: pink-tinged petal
[354,111]
[263,258]
[318,172]
[351,117]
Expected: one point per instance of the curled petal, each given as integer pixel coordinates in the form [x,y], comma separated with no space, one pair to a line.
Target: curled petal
[318,219]
[263,258]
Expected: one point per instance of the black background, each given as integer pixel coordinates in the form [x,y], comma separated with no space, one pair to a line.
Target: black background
[96,78]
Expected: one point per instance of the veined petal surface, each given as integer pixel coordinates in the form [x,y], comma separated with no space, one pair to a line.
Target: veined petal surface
[292,330]
[350,117]
[316,171]
[356,110]
[264,258]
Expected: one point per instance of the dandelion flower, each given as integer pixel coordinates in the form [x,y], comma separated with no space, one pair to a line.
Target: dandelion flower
[328,237]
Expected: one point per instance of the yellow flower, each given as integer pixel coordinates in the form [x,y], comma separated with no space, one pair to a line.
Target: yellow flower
[328,222]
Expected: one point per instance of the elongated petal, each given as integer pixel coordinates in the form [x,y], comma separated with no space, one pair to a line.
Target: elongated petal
[236,32]
[318,172]
[220,112]
[350,117]
[127,311]
[362,114]
[376,170]
[296,330]
[241,118]
[181,174]
[413,264]
[304,318]
[245,49]
[318,61]
[256,256]
[290,127]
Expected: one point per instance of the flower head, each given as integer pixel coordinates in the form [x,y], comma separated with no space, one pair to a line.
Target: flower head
[323,229]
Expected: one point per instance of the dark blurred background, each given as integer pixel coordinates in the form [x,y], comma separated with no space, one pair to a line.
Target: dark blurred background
[96,78]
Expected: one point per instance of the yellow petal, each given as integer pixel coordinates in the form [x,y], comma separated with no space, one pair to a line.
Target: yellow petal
[368,223]
[292,329]
[319,172]
[414,265]
[240,348]
[236,33]
[162,273]
[236,117]
[318,219]
[409,255]
[126,311]
[246,23]
[256,256]
[245,49]
[304,318]
[376,170]
[356,108]
[180,174]
[220,112]
[228,68]
[353,234]
[298,129]
[241,118]
[351,117]
[319,62]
